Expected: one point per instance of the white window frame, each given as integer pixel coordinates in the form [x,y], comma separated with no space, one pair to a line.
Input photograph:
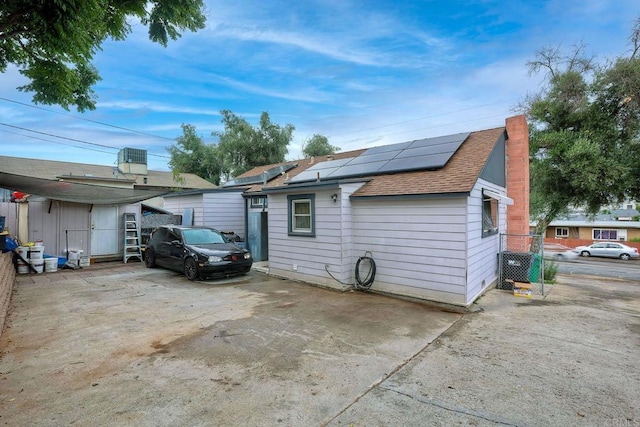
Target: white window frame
[301,199]
[620,234]
[490,215]
[562,232]
[259,202]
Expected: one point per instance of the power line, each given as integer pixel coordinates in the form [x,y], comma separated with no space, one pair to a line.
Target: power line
[55,142]
[85,119]
[72,139]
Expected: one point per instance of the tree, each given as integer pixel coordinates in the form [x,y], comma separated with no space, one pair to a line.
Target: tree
[584,147]
[242,147]
[192,155]
[52,42]
[318,145]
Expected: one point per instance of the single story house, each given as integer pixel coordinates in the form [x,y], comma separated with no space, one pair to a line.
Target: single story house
[617,224]
[74,206]
[428,212]
[593,230]
[229,210]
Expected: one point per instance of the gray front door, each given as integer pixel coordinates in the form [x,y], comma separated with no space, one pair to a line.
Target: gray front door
[257,236]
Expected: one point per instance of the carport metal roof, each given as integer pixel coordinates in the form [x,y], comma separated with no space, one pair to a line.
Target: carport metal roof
[77,192]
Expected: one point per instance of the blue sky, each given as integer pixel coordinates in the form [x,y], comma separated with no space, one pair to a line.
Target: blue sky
[362,73]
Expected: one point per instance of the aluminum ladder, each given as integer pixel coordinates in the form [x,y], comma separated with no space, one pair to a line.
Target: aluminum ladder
[132,247]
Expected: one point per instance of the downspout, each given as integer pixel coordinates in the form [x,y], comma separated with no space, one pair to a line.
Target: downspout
[246,223]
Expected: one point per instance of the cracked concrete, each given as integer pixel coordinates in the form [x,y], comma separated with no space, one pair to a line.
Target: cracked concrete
[125,345]
[566,359]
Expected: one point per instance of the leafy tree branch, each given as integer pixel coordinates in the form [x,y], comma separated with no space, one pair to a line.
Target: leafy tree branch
[52,42]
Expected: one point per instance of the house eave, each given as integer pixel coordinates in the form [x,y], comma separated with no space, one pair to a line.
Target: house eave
[199,191]
[416,196]
[320,185]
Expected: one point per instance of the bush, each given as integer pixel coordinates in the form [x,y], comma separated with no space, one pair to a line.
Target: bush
[635,240]
[550,271]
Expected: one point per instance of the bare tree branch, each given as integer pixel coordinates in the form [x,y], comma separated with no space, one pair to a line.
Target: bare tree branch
[635,38]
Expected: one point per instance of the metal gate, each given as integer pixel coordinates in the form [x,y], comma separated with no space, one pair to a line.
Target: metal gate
[521,259]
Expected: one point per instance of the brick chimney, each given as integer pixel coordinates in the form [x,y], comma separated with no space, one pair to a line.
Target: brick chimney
[518,175]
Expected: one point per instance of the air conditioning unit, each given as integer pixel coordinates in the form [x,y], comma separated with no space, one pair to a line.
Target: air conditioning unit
[132,155]
[132,161]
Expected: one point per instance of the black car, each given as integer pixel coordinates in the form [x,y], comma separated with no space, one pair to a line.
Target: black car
[197,251]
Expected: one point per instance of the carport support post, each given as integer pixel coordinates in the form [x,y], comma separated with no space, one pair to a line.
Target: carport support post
[23,222]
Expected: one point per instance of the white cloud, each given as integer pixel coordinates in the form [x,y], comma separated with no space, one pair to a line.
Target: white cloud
[156,107]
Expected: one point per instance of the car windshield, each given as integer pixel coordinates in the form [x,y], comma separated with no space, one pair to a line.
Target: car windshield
[202,236]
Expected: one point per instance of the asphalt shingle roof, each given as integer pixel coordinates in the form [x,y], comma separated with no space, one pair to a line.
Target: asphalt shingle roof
[457,176]
[51,170]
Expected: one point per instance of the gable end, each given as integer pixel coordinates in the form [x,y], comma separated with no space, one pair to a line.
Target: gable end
[494,169]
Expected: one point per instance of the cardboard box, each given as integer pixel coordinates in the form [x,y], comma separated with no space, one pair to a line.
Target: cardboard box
[521,289]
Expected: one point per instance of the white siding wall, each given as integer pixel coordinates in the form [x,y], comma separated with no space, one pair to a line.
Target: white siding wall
[224,211]
[419,246]
[347,272]
[177,205]
[10,212]
[482,252]
[304,258]
[424,248]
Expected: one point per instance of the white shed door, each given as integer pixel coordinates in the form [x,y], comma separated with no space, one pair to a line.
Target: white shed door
[104,230]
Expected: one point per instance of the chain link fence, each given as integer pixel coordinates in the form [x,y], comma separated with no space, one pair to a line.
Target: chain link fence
[521,260]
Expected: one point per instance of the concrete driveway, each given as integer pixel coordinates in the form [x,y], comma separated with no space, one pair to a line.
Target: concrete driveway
[124,345]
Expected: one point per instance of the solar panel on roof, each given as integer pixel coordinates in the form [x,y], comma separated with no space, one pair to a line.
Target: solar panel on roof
[358,169]
[312,174]
[243,181]
[422,154]
[426,150]
[386,148]
[369,158]
[415,163]
[264,176]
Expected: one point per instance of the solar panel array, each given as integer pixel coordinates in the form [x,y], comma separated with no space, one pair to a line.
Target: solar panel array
[423,154]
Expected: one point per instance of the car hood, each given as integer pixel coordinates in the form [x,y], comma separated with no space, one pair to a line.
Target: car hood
[217,249]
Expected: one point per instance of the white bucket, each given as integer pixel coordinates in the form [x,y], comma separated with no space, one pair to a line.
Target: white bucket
[36,252]
[74,255]
[22,267]
[24,252]
[38,265]
[50,265]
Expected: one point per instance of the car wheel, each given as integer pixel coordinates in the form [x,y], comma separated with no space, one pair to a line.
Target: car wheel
[625,257]
[191,269]
[585,253]
[149,258]
[559,257]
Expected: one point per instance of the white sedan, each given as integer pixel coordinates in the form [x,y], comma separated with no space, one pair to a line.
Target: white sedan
[608,250]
